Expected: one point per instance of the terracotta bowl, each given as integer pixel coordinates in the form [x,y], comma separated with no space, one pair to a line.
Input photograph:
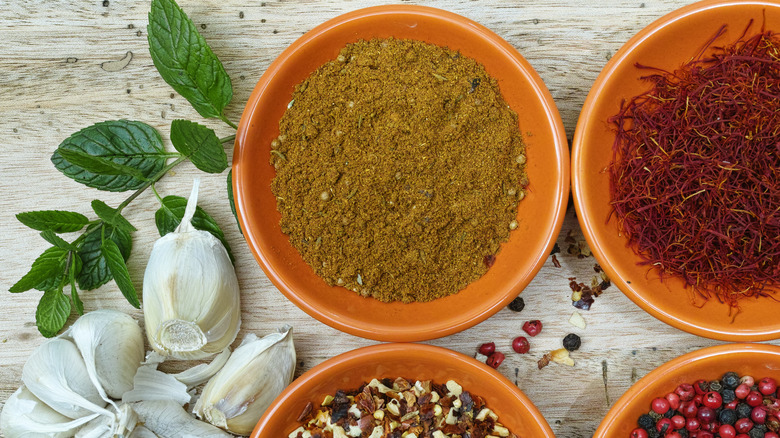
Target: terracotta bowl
[541,212]
[711,363]
[667,43]
[411,361]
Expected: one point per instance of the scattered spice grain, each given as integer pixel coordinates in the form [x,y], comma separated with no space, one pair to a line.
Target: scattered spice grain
[399,170]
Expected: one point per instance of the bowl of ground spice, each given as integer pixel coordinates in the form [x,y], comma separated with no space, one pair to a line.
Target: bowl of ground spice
[675,166]
[400,173]
[718,392]
[411,389]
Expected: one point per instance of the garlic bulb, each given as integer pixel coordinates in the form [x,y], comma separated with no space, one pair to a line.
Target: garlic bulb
[25,416]
[112,346]
[169,420]
[57,375]
[254,375]
[190,294]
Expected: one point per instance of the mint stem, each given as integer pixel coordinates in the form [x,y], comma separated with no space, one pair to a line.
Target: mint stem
[225,119]
[153,179]
[227,139]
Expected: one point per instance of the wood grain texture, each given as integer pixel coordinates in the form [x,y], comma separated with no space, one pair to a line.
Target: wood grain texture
[52,84]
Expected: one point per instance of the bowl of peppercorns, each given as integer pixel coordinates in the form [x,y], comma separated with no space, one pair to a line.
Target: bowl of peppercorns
[726,391]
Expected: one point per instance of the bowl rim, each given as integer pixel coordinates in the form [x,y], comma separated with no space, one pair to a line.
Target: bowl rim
[582,206]
[559,149]
[342,361]
[676,364]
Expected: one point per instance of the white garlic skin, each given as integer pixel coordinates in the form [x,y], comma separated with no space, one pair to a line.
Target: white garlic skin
[254,375]
[191,298]
[26,416]
[55,372]
[112,346]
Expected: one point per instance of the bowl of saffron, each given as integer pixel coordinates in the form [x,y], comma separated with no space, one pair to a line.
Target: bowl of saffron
[675,169]
[539,217]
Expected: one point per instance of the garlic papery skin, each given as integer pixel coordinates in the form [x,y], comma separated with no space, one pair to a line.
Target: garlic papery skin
[112,346]
[254,375]
[26,416]
[57,375]
[169,420]
[198,374]
[191,297]
[142,432]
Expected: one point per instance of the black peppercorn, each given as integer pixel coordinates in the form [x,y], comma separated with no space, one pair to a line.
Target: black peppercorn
[670,413]
[728,416]
[572,342]
[728,396]
[756,433]
[646,422]
[730,380]
[715,386]
[517,304]
[653,433]
[744,410]
[683,433]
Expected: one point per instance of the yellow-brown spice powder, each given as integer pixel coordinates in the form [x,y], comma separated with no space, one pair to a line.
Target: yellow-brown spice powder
[399,168]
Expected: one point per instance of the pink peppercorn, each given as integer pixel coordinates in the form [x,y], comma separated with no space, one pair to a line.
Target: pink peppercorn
[495,359]
[743,425]
[685,391]
[659,405]
[754,399]
[692,424]
[742,391]
[521,345]
[727,431]
[712,400]
[678,421]
[638,433]
[673,399]
[487,349]
[767,386]
[758,415]
[699,386]
[533,327]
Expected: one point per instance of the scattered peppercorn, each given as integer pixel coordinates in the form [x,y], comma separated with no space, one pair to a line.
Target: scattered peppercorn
[487,349]
[495,359]
[730,380]
[533,327]
[572,342]
[521,345]
[517,305]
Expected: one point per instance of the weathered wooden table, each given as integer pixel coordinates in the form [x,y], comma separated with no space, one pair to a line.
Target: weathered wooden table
[53,82]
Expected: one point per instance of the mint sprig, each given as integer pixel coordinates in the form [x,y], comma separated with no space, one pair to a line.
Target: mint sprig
[127,155]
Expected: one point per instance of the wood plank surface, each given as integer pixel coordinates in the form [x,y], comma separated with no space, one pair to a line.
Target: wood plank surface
[52,84]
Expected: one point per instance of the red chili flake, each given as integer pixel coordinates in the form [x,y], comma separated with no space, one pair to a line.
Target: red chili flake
[695,176]
[597,268]
[544,361]
[489,260]
[555,261]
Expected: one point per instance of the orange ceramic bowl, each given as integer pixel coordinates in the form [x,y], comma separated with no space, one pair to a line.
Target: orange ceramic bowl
[710,363]
[410,361]
[540,213]
[666,43]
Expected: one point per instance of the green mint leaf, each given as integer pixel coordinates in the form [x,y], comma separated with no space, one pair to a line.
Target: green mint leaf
[94,272]
[169,216]
[230,198]
[185,61]
[52,313]
[75,268]
[116,264]
[111,216]
[54,220]
[127,144]
[45,267]
[98,165]
[200,145]
[57,241]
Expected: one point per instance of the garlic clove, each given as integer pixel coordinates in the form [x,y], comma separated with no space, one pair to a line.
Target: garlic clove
[26,416]
[254,375]
[112,346]
[191,298]
[120,425]
[57,375]
[167,419]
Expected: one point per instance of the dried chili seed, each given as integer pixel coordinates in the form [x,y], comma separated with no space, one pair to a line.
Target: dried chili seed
[517,305]
[489,260]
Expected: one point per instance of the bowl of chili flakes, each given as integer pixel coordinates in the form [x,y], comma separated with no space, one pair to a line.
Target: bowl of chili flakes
[413,362]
